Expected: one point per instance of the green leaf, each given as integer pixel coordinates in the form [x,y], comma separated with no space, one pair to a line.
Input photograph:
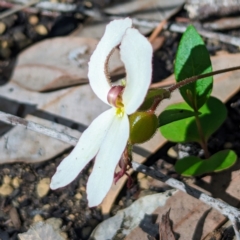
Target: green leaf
[152,95]
[193,59]
[212,115]
[172,115]
[194,166]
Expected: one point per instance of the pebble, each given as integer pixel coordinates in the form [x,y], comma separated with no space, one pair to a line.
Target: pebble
[16,182]
[55,222]
[46,207]
[6,190]
[78,196]
[43,187]
[172,153]
[37,218]
[143,183]
[141,175]
[121,203]
[7,180]
[71,217]
[64,235]
[41,30]
[33,20]
[83,189]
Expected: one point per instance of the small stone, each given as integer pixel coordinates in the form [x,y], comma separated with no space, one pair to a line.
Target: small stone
[228,145]
[83,189]
[43,187]
[141,175]
[172,153]
[46,207]
[37,218]
[41,30]
[71,217]
[86,231]
[78,196]
[4,44]
[64,235]
[7,180]
[33,20]
[143,183]
[70,203]
[121,203]
[2,27]
[55,222]
[6,190]
[16,182]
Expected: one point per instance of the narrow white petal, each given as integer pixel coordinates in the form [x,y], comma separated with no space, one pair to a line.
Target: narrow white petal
[97,65]
[85,150]
[136,53]
[106,161]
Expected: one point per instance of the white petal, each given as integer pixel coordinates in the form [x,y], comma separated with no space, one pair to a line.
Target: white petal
[97,65]
[85,150]
[136,53]
[106,161]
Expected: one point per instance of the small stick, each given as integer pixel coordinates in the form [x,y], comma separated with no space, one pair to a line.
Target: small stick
[231,212]
[17,9]
[157,30]
[181,28]
[195,78]
[17,121]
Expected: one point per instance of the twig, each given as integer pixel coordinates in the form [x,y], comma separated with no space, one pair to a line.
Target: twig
[157,30]
[180,28]
[232,213]
[17,9]
[17,121]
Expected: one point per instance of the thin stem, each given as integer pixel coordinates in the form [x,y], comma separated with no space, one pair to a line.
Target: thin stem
[200,131]
[195,78]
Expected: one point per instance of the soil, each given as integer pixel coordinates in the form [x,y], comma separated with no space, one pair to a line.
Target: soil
[25,205]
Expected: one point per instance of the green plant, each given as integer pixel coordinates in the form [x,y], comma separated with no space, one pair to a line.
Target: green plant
[196,119]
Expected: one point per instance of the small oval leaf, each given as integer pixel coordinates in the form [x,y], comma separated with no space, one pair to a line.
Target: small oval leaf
[172,115]
[194,166]
[193,59]
[212,115]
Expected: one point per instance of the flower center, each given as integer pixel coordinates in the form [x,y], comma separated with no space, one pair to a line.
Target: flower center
[115,99]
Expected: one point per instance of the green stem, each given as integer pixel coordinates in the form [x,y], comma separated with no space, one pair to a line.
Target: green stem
[195,78]
[203,142]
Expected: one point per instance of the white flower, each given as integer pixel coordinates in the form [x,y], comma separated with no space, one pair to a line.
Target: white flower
[107,136]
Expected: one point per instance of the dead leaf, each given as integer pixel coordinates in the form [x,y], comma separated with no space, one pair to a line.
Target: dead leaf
[165,228]
[41,231]
[56,63]
[66,106]
[216,235]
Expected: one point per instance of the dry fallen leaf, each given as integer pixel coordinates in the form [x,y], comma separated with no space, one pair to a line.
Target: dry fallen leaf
[165,228]
[57,62]
[41,231]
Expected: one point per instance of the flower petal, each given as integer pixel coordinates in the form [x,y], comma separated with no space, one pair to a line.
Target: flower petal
[85,150]
[106,160]
[136,53]
[97,66]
